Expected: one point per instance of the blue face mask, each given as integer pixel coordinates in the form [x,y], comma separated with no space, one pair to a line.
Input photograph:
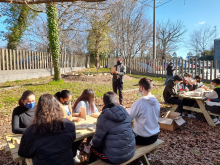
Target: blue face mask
[30,105]
[140,93]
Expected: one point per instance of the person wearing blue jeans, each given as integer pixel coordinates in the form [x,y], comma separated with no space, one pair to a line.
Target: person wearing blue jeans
[170,70]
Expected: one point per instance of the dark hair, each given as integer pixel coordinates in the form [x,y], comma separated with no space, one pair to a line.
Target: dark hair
[62,94]
[146,83]
[49,115]
[177,78]
[216,80]
[87,95]
[186,74]
[197,77]
[170,63]
[110,97]
[24,96]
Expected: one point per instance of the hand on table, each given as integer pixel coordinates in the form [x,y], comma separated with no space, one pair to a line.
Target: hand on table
[76,119]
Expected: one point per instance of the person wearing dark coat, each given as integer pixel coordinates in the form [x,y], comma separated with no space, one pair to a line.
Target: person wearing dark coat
[23,115]
[170,92]
[114,140]
[118,78]
[50,139]
[170,70]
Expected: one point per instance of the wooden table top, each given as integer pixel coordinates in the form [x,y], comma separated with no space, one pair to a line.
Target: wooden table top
[193,97]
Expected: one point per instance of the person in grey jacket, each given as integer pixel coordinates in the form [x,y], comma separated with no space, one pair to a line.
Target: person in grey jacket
[118,78]
[114,140]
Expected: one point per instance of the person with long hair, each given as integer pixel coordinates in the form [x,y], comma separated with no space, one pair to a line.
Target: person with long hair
[23,115]
[86,100]
[50,139]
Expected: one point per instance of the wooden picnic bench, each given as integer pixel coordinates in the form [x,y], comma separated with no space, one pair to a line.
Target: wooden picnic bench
[140,152]
[174,106]
[13,148]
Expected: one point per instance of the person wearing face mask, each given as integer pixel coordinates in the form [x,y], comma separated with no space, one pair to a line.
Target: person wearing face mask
[171,91]
[214,97]
[118,78]
[170,70]
[64,98]
[23,115]
[188,82]
[199,83]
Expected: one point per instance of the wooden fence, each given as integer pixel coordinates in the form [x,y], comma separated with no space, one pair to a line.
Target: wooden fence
[20,60]
[208,70]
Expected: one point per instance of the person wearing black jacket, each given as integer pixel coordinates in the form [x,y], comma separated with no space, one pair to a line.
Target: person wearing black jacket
[170,70]
[114,140]
[23,115]
[118,78]
[50,139]
[171,91]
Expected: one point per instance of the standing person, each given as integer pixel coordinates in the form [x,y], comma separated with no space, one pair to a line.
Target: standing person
[114,141]
[170,70]
[86,100]
[146,112]
[50,139]
[23,115]
[118,78]
[170,92]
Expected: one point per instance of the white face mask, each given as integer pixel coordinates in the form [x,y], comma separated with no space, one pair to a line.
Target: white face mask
[186,78]
[213,86]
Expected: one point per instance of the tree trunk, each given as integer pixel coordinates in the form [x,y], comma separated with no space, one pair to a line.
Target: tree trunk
[18,29]
[53,33]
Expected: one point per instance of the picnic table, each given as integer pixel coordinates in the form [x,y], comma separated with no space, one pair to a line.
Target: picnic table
[200,101]
[13,148]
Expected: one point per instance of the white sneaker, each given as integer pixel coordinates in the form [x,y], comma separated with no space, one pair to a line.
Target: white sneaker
[76,160]
[191,116]
[216,121]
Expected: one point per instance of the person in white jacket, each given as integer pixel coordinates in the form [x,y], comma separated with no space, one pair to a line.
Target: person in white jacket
[146,112]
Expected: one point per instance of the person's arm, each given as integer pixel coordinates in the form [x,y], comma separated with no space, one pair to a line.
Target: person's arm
[171,90]
[123,72]
[211,95]
[26,148]
[133,111]
[96,109]
[100,133]
[15,123]
[80,104]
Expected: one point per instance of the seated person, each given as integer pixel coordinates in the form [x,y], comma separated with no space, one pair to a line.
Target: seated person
[199,83]
[146,112]
[86,100]
[188,82]
[50,139]
[215,94]
[114,141]
[170,92]
[23,115]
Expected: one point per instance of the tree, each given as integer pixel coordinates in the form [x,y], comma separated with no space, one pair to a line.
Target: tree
[169,35]
[18,19]
[201,39]
[98,39]
[53,34]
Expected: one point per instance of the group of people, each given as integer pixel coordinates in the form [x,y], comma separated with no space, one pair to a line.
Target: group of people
[177,85]
[49,133]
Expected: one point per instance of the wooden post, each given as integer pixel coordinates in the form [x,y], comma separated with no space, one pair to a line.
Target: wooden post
[188,66]
[211,68]
[26,59]
[203,69]
[35,60]
[23,59]
[14,61]
[207,69]
[10,58]
[38,60]
[196,67]
[192,68]
[18,54]
[0,59]
[199,67]
[215,75]
[3,59]
[6,54]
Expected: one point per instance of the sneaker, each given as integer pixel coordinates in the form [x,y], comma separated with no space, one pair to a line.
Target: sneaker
[182,114]
[148,156]
[219,118]
[76,160]
[191,116]
[216,121]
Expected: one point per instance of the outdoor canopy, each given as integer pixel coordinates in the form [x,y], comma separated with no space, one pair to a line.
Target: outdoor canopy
[44,1]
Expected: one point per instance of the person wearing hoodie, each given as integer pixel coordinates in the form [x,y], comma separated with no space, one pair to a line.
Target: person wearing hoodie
[170,92]
[114,141]
[146,112]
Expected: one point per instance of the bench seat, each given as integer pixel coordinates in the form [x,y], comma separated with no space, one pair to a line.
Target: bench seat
[139,152]
[214,114]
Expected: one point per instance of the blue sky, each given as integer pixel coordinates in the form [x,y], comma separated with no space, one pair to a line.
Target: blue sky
[193,14]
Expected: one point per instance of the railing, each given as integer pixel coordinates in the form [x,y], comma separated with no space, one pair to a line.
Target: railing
[20,60]
[208,70]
